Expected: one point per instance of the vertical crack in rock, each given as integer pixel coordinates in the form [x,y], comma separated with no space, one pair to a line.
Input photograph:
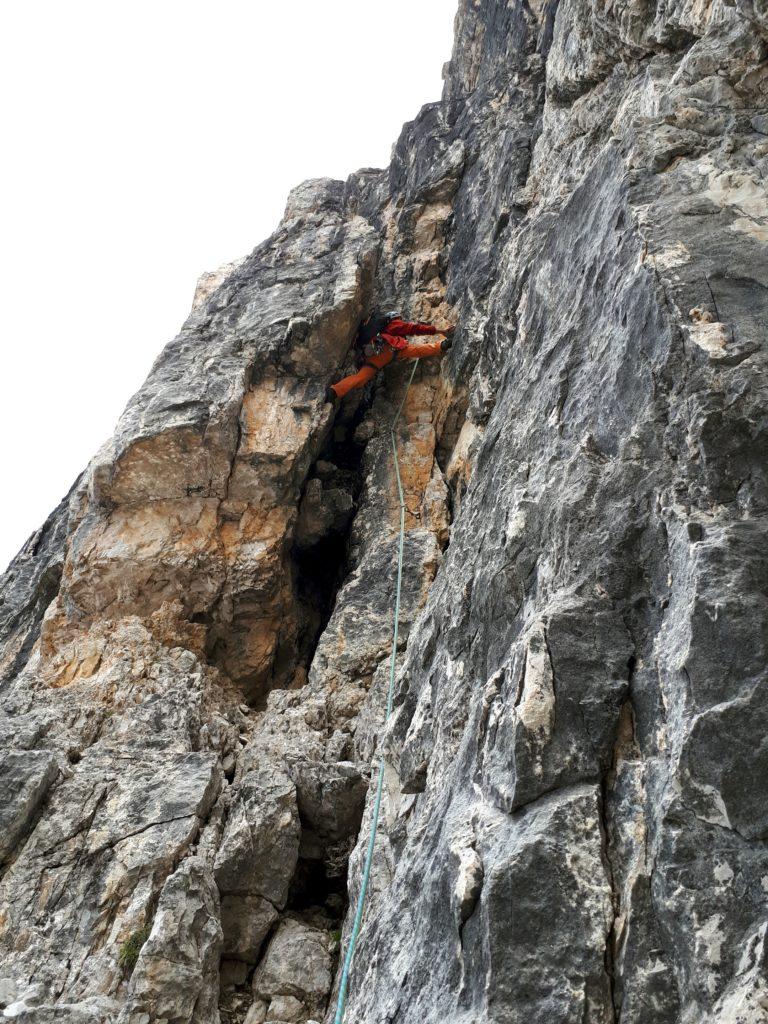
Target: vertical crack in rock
[624,747]
[320,553]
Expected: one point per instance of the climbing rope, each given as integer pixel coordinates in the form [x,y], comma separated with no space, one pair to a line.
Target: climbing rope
[344,983]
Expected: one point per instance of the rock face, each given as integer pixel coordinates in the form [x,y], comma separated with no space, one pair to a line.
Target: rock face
[194,647]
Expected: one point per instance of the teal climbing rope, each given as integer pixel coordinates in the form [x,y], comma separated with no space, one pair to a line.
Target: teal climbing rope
[344,983]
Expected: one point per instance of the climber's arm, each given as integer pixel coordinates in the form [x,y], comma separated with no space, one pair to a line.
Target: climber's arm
[402,328]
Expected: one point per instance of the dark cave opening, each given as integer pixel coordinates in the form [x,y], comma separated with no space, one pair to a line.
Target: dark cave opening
[320,554]
[318,572]
[320,885]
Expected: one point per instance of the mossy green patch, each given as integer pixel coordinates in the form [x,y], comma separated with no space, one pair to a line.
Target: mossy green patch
[130,949]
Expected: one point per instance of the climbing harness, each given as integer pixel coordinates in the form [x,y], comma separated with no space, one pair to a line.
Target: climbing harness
[372,338]
[344,983]
[369,341]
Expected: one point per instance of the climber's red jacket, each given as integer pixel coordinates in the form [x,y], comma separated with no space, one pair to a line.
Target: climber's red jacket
[397,331]
[396,347]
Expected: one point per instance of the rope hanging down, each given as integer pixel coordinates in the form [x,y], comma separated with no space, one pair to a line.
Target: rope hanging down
[344,983]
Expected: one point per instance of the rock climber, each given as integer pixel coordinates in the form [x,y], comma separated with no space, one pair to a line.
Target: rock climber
[381,339]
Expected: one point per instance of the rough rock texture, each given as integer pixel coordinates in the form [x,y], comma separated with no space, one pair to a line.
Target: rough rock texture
[194,647]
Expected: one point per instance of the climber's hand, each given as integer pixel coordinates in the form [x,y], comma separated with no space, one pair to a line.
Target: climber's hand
[447,341]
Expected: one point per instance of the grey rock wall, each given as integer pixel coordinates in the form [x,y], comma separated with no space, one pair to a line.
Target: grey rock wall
[195,646]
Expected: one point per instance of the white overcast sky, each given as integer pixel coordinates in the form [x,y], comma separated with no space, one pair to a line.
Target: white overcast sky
[145,141]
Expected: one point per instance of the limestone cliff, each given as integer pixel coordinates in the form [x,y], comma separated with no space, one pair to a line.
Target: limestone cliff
[194,645]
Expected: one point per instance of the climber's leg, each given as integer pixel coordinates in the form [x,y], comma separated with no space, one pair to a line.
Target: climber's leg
[363,375]
[422,351]
[354,381]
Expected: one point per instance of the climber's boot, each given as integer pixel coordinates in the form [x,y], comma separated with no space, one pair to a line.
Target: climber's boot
[331,396]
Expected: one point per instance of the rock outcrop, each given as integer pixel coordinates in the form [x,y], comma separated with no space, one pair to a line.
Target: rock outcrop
[194,647]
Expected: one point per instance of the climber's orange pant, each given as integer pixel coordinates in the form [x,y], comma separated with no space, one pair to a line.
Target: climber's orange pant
[367,373]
